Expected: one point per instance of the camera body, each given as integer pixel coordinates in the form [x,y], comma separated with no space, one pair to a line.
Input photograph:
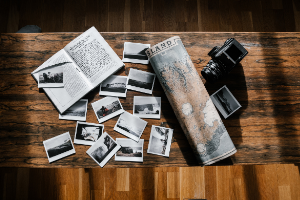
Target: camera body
[223,60]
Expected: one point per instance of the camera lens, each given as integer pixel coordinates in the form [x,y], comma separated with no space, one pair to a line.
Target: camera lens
[211,72]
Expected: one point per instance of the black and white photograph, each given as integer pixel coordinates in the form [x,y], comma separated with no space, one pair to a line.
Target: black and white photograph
[107,108]
[147,107]
[104,148]
[114,86]
[130,151]
[160,141]
[87,133]
[225,101]
[135,53]
[76,112]
[59,147]
[131,126]
[141,81]
[51,77]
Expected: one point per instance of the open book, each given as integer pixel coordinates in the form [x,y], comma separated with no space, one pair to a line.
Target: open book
[86,62]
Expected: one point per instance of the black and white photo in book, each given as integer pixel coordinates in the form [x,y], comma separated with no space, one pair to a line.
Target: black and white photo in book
[130,150]
[114,86]
[160,141]
[76,112]
[104,148]
[141,81]
[107,108]
[87,133]
[147,107]
[225,101]
[52,76]
[135,53]
[59,147]
[131,126]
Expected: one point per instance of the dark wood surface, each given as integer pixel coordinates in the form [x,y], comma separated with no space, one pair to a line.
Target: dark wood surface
[264,130]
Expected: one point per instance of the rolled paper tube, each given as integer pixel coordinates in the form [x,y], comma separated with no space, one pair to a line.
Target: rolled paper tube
[190,101]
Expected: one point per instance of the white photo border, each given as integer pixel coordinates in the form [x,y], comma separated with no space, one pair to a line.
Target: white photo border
[169,142]
[103,119]
[131,60]
[130,159]
[114,94]
[62,155]
[76,141]
[76,118]
[108,157]
[138,88]
[148,116]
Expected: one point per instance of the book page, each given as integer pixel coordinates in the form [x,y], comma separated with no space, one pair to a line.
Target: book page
[75,85]
[94,56]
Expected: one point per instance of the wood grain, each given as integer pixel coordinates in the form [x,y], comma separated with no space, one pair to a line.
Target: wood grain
[170,183]
[264,130]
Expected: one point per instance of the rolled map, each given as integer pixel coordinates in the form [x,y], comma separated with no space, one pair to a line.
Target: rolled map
[190,101]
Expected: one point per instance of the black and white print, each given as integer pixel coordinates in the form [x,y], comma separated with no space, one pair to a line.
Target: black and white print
[114,86]
[147,107]
[135,53]
[130,150]
[59,147]
[103,149]
[160,141]
[87,133]
[107,108]
[76,112]
[130,126]
[225,101]
[141,81]
[51,77]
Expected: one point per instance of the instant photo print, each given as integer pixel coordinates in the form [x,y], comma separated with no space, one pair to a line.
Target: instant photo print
[51,77]
[147,107]
[225,102]
[103,149]
[130,150]
[135,53]
[87,133]
[131,126]
[59,147]
[141,81]
[114,86]
[107,108]
[160,141]
[76,112]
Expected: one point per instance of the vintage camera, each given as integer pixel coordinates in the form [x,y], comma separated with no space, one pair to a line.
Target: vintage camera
[223,60]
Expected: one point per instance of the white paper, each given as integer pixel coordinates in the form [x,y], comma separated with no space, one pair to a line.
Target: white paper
[114,86]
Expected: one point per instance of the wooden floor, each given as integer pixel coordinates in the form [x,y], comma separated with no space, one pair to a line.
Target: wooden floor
[211,182]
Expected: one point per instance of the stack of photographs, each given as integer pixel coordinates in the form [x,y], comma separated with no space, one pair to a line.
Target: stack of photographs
[135,53]
[160,141]
[225,101]
[76,112]
[87,133]
[131,126]
[59,147]
[130,150]
[104,148]
[141,81]
[114,86]
[107,108]
[147,107]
